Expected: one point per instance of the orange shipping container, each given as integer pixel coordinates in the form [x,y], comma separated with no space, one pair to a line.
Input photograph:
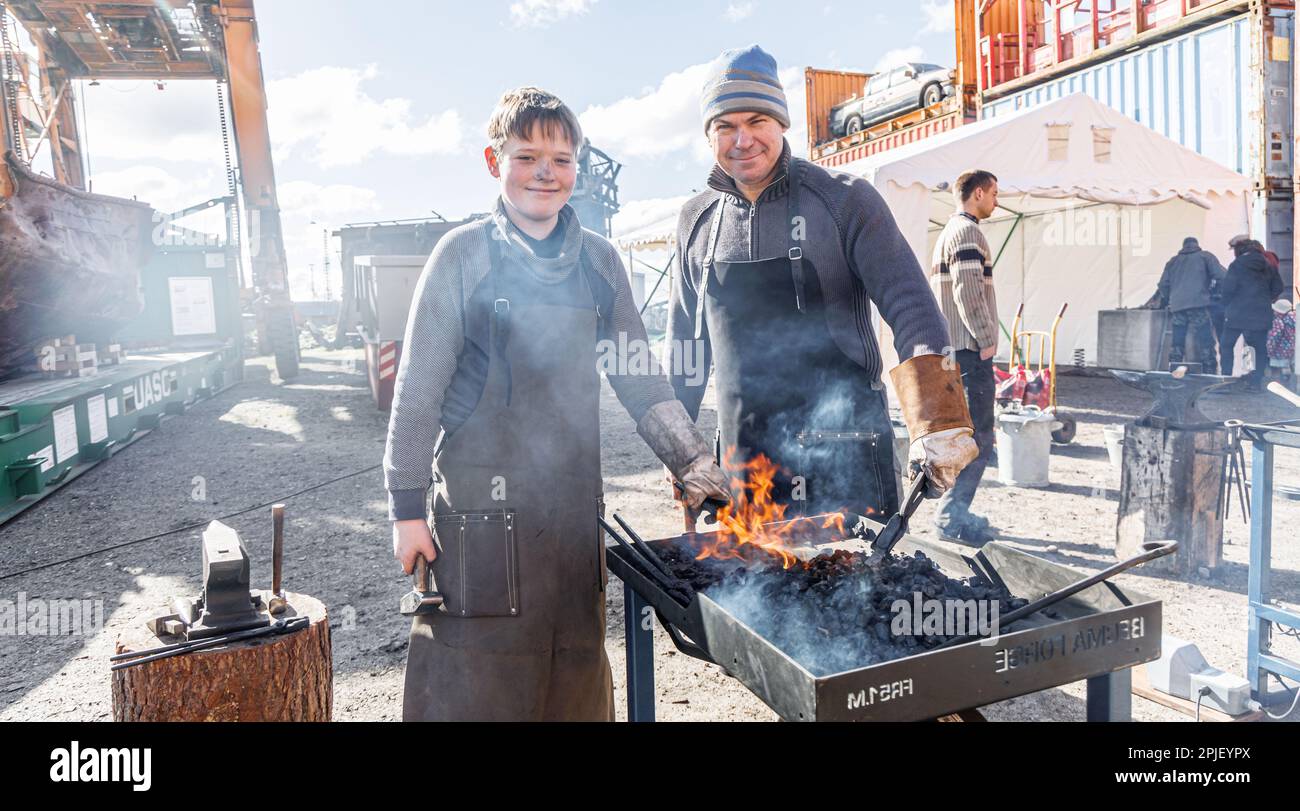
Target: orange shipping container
[826,89]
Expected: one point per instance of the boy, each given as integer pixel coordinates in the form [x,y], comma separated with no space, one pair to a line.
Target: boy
[500,357]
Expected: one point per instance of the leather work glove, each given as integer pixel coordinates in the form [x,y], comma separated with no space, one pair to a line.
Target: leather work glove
[669,432]
[703,479]
[938,420]
[943,455]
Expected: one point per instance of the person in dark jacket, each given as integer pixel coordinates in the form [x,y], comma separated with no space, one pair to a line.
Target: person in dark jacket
[1185,288]
[1251,287]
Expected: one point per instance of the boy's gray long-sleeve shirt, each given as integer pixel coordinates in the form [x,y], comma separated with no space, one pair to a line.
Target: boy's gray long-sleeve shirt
[851,239]
[435,345]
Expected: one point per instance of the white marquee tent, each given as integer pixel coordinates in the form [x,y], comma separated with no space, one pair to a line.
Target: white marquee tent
[1093,204]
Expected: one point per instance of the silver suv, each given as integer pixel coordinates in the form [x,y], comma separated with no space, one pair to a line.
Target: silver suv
[912,86]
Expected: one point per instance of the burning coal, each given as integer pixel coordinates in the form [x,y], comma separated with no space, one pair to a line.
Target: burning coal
[833,611]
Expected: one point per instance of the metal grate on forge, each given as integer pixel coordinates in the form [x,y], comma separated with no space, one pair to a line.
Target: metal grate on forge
[1095,635]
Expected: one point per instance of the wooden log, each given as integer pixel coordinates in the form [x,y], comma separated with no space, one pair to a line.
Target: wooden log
[1169,489]
[286,677]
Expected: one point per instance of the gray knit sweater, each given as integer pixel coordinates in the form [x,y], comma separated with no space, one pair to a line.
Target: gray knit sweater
[851,239]
[445,308]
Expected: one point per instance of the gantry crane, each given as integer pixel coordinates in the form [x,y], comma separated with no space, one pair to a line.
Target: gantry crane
[157,40]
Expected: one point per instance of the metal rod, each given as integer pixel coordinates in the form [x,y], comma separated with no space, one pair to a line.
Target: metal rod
[277,547]
[1154,549]
[153,655]
[660,579]
[645,547]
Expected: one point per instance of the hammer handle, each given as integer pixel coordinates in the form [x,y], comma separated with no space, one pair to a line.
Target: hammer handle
[277,547]
[422,580]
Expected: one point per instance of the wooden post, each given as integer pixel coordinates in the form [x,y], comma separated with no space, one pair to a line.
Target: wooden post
[1169,489]
[271,678]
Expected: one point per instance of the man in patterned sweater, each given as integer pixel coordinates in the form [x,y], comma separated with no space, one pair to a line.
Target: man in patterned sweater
[961,277]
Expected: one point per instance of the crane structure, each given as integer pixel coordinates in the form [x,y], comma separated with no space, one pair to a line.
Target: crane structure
[155,40]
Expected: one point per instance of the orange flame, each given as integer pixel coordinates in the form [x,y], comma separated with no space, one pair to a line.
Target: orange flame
[754,522]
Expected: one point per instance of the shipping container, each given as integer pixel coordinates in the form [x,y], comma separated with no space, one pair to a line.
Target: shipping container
[1063,35]
[825,89]
[1224,90]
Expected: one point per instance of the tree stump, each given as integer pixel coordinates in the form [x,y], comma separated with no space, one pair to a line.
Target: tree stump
[286,677]
[1169,489]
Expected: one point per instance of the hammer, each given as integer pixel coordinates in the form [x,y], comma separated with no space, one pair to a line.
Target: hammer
[421,599]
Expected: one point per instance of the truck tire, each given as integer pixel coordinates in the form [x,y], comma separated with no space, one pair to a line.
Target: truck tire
[854,126]
[284,342]
[931,95]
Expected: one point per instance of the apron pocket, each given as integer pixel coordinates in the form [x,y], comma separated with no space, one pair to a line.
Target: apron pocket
[852,470]
[477,568]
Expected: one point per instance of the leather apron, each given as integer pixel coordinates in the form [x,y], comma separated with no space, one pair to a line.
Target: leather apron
[786,390]
[521,566]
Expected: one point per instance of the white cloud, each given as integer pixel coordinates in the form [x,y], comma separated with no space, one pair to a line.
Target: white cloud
[637,214]
[134,121]
[659,121]
[329,111]
[896,57]
[665,120]
[160,188]
[939,17]
[738,11]
[307,210]
[327,203]
[541,13]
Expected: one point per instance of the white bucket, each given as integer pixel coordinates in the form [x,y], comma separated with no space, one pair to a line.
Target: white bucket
[1024,448]
[1115,446]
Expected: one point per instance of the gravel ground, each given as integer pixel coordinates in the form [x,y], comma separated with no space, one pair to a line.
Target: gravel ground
[262,440]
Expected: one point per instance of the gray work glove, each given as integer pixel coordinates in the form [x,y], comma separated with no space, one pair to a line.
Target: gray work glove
[669,432]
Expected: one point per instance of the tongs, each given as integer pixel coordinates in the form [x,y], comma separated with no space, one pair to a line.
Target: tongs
[650,563]
[896,527]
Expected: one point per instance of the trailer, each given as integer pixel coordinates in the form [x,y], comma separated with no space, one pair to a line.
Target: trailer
[58,419]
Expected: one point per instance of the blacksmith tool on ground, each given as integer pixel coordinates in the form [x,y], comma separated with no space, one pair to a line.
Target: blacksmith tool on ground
[896,527]
[1150,551]
[280,626]
[421,599]
[1175,396]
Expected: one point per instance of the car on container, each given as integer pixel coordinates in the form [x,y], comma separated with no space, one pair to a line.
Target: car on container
[908,87]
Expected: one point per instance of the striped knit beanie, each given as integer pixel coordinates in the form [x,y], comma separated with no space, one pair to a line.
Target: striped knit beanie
[744,80]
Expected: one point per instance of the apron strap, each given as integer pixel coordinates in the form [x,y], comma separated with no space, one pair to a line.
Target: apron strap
[500,320]
[709,250]
[796,236]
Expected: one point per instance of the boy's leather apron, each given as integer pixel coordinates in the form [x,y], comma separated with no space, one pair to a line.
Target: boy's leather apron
[520,557]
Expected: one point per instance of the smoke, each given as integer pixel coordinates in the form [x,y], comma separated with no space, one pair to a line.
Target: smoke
[838,613]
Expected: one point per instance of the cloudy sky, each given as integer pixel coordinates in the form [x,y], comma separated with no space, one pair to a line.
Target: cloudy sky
[378,110]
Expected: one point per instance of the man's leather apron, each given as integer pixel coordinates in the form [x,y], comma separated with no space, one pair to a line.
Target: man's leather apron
[786,390]
[520,560]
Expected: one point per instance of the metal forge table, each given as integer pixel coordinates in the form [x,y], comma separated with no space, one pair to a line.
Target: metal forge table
[1260,659]
[1097,635]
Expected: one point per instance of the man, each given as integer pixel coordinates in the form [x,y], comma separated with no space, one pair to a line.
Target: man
[1186,288]
[779,264]
[1249,290]
[501,358]
[961,277]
